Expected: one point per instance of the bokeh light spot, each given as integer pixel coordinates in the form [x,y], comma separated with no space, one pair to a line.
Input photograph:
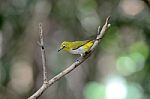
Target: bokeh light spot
[116,88]
[134,91]
[140,47]
[131,7]
[139,60]
[125,65]
[94,90]
[21,77]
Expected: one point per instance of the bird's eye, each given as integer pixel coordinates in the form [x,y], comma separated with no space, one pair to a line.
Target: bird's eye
[63,46]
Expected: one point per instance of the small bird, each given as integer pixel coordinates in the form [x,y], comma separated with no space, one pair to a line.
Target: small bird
[77,47]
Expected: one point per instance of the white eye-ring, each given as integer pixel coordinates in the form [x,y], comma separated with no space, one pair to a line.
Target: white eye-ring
[64,46]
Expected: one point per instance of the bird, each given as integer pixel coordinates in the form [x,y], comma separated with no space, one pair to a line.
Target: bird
[76,47]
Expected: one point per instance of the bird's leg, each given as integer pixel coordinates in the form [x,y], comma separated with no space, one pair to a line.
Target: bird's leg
[78,59]
[86,53]
[81,56]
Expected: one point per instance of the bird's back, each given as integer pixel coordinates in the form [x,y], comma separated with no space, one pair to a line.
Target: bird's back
[80,47]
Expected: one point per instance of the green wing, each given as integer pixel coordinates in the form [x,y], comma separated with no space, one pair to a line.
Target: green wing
[77,44]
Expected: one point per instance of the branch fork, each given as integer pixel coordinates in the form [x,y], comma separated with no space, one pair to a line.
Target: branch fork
[47,83]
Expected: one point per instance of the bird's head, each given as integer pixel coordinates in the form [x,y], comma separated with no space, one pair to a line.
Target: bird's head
[64,46]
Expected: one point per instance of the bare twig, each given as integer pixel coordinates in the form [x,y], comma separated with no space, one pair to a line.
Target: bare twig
[100,33]
[43,54]
[74,65]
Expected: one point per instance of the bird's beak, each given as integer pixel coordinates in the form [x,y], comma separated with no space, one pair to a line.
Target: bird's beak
[61,48]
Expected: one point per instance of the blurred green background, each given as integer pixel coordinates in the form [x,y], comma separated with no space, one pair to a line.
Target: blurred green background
[118,69]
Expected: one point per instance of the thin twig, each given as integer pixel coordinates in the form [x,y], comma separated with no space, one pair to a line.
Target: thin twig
[74,65]
[100,33]
[43,54]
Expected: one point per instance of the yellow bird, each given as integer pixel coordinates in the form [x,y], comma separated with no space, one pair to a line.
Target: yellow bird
[77,47]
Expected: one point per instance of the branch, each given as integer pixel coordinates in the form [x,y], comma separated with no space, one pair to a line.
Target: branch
[75,64]
[100,33]
[43,54]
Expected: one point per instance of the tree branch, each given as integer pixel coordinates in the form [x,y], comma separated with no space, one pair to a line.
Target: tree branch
[74,65]
[43,54]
